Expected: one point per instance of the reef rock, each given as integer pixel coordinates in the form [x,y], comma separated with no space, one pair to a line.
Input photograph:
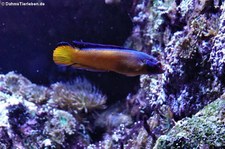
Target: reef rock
[205,129]
[31,115]
[188,39]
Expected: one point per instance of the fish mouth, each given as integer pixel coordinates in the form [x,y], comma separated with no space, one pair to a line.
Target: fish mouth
[156,69]
[161,69]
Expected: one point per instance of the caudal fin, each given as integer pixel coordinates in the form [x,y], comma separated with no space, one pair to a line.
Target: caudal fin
[64,55]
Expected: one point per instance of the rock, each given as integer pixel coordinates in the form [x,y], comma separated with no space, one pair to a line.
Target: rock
[204,129]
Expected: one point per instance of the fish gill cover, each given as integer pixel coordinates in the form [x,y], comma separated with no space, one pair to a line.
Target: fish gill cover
[181,108]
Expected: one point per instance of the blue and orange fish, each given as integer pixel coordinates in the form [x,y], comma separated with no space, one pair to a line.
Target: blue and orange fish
[98,57]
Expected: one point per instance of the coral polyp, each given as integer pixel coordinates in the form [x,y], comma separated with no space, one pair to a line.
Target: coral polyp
[59,125]
[77,95]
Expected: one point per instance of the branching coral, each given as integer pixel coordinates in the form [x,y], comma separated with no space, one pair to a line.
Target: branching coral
[76,96]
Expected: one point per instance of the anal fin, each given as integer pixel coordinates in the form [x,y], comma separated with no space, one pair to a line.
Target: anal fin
[88,68]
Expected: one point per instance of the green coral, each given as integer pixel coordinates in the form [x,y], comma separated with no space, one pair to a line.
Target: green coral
[61,124]
[206,128]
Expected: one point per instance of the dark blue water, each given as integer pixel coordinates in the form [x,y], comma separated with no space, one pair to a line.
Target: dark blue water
[28,35]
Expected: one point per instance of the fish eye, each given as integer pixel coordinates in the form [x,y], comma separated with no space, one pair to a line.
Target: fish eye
[151,62]
[159,64]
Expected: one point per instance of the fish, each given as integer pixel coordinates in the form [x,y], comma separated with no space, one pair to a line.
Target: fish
[105,58]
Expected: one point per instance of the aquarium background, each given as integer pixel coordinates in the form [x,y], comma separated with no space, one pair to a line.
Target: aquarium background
[43,105]
[30,34]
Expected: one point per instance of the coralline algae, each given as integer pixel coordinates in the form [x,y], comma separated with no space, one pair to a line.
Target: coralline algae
[205,129]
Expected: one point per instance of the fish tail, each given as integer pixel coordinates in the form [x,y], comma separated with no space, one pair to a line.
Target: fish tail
[64,55]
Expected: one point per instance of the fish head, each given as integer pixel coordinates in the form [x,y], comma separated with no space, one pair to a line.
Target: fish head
[153,66]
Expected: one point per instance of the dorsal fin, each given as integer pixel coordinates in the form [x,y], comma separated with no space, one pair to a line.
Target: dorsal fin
[63,43]
[84,45]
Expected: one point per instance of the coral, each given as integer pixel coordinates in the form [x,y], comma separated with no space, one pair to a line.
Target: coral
[138,138]
[61,124]
[112,118]
[161,121]
[205,129]
[191,8]
[78,95]
[13,83]
[36,94]
[123,137]
[140,134]
[27,121]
